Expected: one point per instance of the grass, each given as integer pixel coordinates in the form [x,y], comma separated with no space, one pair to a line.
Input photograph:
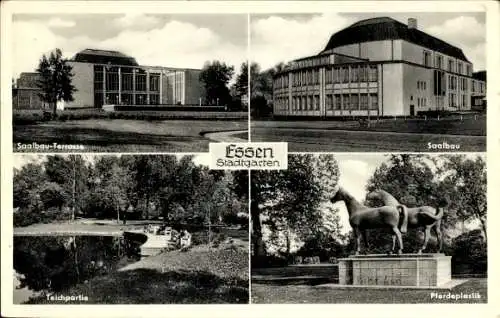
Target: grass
[342,136]
[123,135]
[27,116]
[146,286]
[300,294]
[468,125]
[197,276]
[243,136]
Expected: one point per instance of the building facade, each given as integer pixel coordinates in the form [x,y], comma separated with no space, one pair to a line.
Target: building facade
[112,78]
[25,94]
[377,67]
[478,91]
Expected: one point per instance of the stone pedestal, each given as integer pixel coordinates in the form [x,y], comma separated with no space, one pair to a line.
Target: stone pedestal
[406,270]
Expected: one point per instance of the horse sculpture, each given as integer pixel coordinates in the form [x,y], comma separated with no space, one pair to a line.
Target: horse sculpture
[362,218]
[424,216]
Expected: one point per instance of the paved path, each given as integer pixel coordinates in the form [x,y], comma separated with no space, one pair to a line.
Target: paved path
[73,229]
[226,136]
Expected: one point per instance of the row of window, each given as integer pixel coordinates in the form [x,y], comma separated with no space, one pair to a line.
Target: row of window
[315,61]
[438,63]
[353,73]
[422,102]
[346,74]
[332,102]
[462,83]
[352,101]
[126,99]
[421,85]
[454,103]
[305,78]
[478,87]
[127,81]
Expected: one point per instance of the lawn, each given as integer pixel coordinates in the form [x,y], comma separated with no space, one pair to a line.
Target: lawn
[465,125]
[348,136]
[124,135]
[300,294]
[198,276]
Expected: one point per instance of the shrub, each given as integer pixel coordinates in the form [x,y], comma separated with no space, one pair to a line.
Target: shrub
[469,253]
[269,261]
[47,115]
[62,117]
[259,107]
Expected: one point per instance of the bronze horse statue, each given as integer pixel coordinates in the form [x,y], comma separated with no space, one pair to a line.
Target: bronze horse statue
[362,218]
[424,216]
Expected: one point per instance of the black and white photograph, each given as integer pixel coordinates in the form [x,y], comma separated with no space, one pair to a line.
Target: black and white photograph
[370,228]
[342,82]
[128,82]
[249,158]
[128,229]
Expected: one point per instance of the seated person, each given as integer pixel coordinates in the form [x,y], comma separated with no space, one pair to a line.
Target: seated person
[185,239]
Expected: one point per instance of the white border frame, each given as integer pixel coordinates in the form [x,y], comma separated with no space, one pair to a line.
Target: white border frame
[328,310]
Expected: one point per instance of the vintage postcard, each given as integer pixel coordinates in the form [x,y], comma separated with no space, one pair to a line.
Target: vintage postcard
[250,158]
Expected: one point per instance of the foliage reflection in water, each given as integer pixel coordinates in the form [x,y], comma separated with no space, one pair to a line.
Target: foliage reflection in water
[51,264]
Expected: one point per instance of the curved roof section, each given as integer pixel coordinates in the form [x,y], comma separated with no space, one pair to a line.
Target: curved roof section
[385,28]
[104,57]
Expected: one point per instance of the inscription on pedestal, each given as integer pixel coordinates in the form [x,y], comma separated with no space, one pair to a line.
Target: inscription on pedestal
[405,270]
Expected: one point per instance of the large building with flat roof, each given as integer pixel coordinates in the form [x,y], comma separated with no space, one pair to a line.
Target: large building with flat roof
[113,78]
[377,67]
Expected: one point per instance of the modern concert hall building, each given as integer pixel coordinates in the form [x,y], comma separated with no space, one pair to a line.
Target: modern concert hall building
[378,67]
[113,78]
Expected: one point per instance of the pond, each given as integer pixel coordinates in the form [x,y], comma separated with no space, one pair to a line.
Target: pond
[50,264]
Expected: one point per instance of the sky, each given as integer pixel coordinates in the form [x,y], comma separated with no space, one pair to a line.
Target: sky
[188,40]
[355,171]
[181,40]
[283,37]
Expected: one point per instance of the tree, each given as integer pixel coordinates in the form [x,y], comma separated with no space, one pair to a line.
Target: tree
[261,83]
[107,186]
[418,180]
[411,180]
[150,174]
[111,186]
[181,180]
[290,200]
[215,77]
[27,203]
[26,180]
[55,79]
[465,183]
[73,175]
[242,79]
[53,195]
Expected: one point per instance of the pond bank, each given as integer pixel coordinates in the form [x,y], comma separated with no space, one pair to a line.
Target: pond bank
[67,229]
[197,276]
